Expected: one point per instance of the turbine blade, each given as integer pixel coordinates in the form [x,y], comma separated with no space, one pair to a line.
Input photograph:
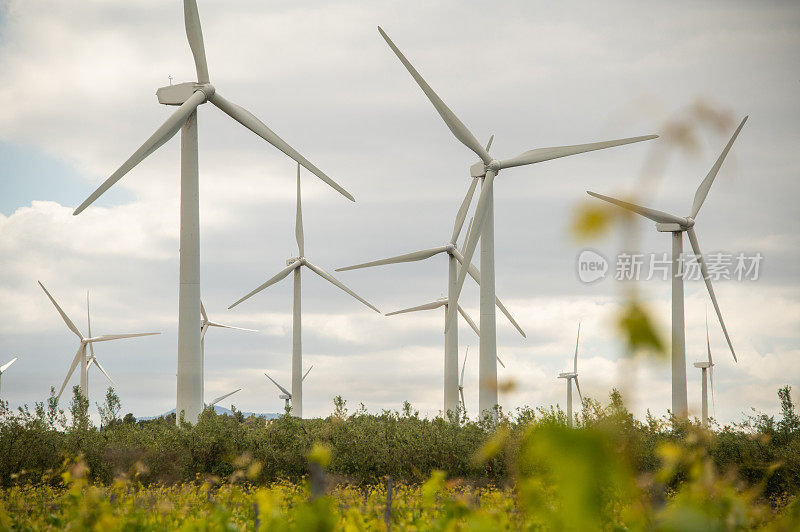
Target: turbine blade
[463,367]
[546,154]
[463,404]
[307,372]
[248,120]
[476,276]
[89,323]
[407,257]
[489,144]
[427,306]
[272,280]
[501,362]
[713,402]
[156,140]
[203,312]
[191,19]
[469,320]
[705,185]
[328,277]
[462,211]
[575,370]
[456,126]
[223,326]
[578,386]
[97,363]
[75,362]
[221,397]
[653,214]
[708,341]
[7,365]
[63,314]
[481,210]
[281,388]
[707,279]
[107,337]
[469,230]
[298,224]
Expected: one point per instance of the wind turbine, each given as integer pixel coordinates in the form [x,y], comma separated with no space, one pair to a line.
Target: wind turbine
[487,169]
[461,382]
[81,356]
[295,264]
[707,370]
[455,260]
[569,376]
[677,225]
[205,324]
[213,403]
[286,395]
[7,365]
[189,96]
[451,385]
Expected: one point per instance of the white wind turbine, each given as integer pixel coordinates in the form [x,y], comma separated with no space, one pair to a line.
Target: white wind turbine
[213,403]
[455,261]
[286,395]
[707,370]
[81,357]
[570,376]
[189,96]
[295,264]
[677,225]
[205,324]
[487,169]
[451,386]
[7,365]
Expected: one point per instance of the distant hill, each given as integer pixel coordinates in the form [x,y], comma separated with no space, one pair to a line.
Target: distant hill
[220,411]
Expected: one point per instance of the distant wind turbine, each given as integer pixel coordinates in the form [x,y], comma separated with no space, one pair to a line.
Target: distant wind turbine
[189,96]
[81,356]
[707,370]
[295,264]
[205,324]
[455,261]
[5,366]
[570,376]
[213,403]
[487,169]
[451,386]
[677,225]
[286,395]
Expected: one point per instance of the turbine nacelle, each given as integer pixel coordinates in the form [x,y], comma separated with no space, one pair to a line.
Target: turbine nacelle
[479,169]
[567,375]
[301,260]
[675,227]
[703,365]
[178,94]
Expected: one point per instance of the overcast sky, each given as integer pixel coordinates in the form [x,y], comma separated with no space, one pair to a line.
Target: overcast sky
[78,83]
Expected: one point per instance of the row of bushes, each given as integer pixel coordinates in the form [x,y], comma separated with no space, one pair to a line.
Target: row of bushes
[34,444]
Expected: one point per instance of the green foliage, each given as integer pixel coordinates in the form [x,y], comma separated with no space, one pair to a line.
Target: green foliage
[109,411]
[526,470]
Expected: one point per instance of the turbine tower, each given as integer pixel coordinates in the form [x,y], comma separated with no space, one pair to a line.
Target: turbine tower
[451,385]
[707,370]
[7,365]
[286,395]
[295,264]
[213,403]
[455,260]
[677,225]
[487,169]
[189,96]
[570,376]
[81,356]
